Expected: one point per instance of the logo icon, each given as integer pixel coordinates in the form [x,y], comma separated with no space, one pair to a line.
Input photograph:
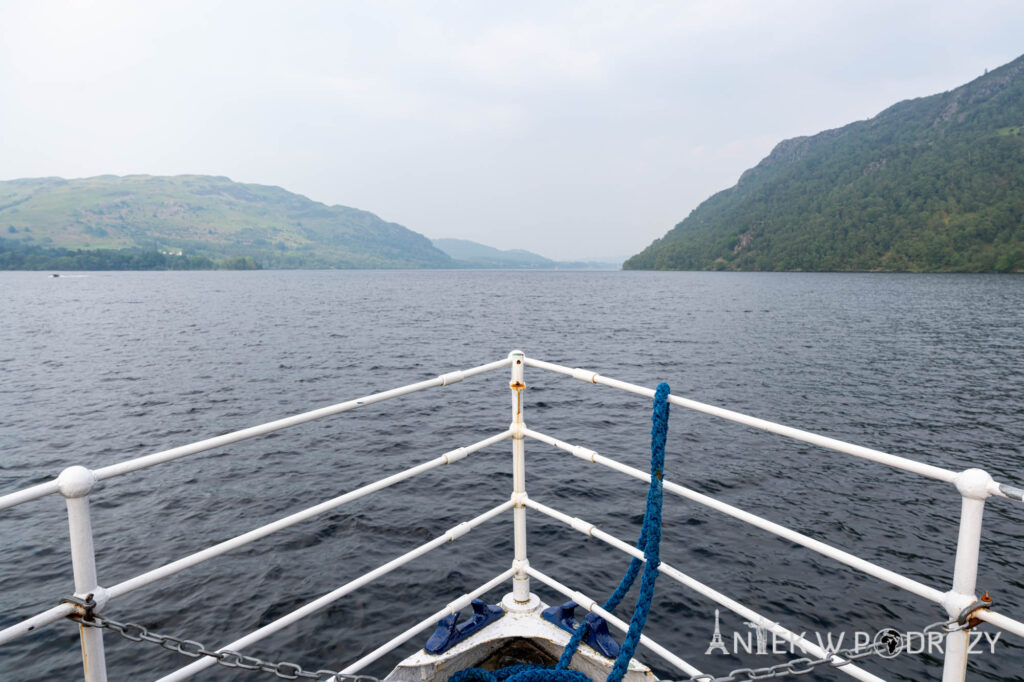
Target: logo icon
[716,639]
[891,643]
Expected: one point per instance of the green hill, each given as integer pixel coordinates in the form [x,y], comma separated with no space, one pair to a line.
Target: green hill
[934,184]
[202,217]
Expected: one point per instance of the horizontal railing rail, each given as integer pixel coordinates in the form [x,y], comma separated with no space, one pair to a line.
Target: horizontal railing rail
[76,485]
[974,486]
[895,461]
[428,622]
[326,600]
[590,605]
[263,531]
[665,568]
[818,546]
[146,461]
[169,569]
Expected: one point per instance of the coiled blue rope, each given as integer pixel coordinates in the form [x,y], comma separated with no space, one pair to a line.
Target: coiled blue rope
[649,542]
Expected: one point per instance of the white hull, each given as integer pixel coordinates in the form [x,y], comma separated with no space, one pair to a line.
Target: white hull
[520,636]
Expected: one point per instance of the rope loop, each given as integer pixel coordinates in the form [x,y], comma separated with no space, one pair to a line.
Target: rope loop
[649,542]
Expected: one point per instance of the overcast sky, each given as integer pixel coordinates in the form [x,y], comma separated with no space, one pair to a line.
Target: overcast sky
[572,129]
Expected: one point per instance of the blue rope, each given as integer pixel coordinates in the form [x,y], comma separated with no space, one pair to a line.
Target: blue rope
[649,542]
[519,673]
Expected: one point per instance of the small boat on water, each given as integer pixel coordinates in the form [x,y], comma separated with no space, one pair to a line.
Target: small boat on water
[499,639]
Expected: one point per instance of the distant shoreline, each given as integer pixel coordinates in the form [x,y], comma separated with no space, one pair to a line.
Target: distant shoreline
[60,272]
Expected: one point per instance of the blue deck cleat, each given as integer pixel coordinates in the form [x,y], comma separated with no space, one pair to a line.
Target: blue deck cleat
[448,632]
[598,638]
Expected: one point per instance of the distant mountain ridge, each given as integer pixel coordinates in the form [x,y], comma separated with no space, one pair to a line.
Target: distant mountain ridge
[470,254]
[206,216]
[485,256]
[931,184]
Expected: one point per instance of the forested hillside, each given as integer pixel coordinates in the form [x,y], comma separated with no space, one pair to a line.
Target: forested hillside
[932,184]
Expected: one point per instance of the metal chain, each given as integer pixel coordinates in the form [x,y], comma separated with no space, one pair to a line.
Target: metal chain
[225,657]
[888,644]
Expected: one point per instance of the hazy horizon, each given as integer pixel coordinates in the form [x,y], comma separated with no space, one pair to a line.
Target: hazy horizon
[578,131]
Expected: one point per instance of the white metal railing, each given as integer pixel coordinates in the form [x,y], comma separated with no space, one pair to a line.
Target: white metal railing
[973,485]
[695,585]
[75,484]
[862,565]
[333,596]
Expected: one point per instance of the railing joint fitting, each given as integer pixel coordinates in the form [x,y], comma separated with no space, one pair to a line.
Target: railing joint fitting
[452,377]
[584,453]
[975,484]
[582,526]
[520,499]
[518,429]
[955,602]
[585,375]
[86,605]
[583,600]
[76,481]
[458,531]
[455,455]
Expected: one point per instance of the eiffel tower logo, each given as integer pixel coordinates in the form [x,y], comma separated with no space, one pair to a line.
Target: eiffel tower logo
[716,640]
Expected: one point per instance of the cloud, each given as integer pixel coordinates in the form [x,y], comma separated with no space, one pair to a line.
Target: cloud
[523,55]
[572,128]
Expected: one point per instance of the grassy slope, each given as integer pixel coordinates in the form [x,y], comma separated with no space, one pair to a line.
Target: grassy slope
[932,184]
[209,216]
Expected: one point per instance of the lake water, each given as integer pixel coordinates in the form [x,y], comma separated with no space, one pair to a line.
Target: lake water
[103,367]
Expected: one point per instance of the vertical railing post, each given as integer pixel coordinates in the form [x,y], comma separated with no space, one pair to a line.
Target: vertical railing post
[975,487]
[521,579]
[75,483]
